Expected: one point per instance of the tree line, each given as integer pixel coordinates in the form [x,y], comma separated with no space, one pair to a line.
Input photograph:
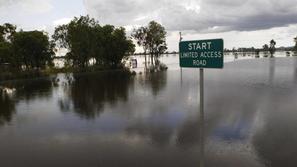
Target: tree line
[83,38]
[267,49]
[24,50]
[86,41]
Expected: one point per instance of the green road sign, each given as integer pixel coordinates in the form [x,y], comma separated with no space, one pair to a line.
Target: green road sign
[202,53]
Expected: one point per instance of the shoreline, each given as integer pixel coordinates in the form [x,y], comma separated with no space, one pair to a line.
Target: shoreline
[29,75]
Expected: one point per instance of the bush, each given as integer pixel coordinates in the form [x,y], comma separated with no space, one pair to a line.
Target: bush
[163,67]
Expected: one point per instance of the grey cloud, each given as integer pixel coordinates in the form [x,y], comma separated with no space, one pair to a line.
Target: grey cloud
[265,21]
[197,15]
[29,6]
[120,12]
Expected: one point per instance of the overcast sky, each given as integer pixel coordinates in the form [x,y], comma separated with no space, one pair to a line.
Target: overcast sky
[241,23]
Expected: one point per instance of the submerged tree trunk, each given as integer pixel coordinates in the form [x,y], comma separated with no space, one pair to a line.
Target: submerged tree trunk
[145,63]
[156,59]
[152,59]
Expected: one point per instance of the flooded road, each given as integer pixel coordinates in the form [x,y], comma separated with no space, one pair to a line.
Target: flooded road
[112,120]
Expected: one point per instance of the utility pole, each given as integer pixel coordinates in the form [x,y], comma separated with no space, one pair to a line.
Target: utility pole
[180,37]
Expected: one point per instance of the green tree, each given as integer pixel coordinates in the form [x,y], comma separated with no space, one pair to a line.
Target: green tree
[77,38]
[32,49]
[140,35]
[6,55]
[6,34]
[100,36]
[265,49]
[272,47]
[116,47]
[156,39]
[86,39]
[151,38]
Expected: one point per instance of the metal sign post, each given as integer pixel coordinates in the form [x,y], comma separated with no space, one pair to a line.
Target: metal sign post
[201,54]
[201,91]
[201,117]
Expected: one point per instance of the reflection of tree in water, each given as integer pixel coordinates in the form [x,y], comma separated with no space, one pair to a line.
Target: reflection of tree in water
[88,93]
[24,89]
[276,141]
[271,70]
[7,108]
[36,89]
[230,113]
[29,89]
[157,81]
[295,70]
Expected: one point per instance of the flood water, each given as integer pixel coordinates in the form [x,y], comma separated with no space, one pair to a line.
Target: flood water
[113,120]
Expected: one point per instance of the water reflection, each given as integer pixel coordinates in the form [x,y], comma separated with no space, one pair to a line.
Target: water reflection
[87,94]
[21,90]
[271,70]
[276,139]
[153,120]
[155,81]
[158,135]
[31,89]
[295,71]
[7,108]
[158,82]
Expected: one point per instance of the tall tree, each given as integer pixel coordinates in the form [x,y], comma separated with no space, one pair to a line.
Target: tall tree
[86,39]
[156,39]
[265,49]
[272,47]
[152,38]
[6,34]
[140,35]
[116,46]
[33,49]
[6,55]
[77,38]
